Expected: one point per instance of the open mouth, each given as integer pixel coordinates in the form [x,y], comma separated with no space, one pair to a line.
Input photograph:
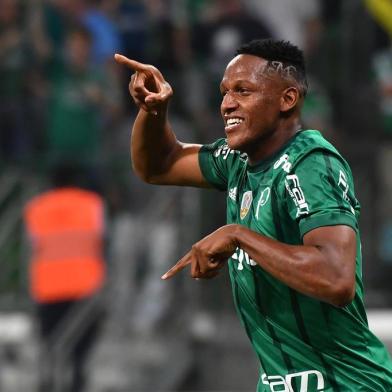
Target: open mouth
[232,123]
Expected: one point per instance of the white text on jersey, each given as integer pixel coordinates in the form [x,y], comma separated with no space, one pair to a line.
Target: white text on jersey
[242,256]
[283,160]
[277,382]
[296,193]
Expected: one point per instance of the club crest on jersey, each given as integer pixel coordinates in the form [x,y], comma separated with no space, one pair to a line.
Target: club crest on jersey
[245,204]
[264,197]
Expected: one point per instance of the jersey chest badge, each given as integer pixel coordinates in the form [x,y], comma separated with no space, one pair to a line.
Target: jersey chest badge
[264,197]
[246,202]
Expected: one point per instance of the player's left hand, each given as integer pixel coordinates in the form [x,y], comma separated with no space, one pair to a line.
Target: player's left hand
[209,255]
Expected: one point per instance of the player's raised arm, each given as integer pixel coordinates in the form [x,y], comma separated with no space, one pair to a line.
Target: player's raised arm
[157,156]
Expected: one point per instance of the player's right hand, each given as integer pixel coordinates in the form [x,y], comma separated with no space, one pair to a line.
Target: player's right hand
[148,88]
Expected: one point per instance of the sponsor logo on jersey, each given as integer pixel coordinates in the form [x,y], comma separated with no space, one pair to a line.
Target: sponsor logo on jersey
[244,156]
[242,257]
[247,198]
[295,191]
[284,162]
[287,383]
[225,151]
[343,184]
[263,199]
[233,194]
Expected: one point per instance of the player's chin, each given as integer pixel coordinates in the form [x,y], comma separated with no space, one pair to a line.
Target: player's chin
[234,142]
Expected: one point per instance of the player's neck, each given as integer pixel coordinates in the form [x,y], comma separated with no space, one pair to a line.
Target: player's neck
[275,140]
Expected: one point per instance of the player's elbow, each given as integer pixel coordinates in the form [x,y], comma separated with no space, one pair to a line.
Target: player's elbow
[146,175]
[151,179]
[343,293]
[141,174]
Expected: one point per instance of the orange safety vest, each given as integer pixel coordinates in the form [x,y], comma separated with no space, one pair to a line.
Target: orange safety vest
[66,229]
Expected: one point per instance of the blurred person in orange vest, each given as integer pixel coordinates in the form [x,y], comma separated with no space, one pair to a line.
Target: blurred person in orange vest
[65,227]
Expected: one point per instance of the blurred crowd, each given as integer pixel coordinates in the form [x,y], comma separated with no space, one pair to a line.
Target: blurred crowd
[63,99]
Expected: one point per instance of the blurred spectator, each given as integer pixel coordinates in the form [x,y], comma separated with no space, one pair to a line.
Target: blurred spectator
[163,30]
[317,110]
[14,80]
[382,62]
[49,23]
[225,26]
[53,19]
[220,28]
[74,42]
[295,20]
[168,45]
[382,69]
[132,21]
[382,66]
[65,226]
[96,16]
[79,100]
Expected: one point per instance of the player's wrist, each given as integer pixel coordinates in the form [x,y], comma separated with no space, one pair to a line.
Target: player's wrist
[235,231]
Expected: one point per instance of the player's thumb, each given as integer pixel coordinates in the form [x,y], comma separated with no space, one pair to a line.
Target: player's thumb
[157,98]
[154,99]
[150,99]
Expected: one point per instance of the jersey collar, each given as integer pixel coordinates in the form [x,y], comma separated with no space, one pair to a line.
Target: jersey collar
[265,163]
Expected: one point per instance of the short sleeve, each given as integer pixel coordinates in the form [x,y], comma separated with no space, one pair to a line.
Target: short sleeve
[215,161]
[320,192]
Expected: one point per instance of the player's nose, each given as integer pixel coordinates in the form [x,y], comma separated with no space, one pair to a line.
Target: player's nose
[229,103]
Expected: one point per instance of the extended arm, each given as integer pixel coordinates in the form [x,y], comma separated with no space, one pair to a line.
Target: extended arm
[157,156]
[323,267]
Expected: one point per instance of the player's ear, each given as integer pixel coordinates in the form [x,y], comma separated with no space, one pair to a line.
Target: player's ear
[289,99]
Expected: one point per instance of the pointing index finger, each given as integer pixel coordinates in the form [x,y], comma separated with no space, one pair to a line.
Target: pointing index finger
[179,266]
[133,64]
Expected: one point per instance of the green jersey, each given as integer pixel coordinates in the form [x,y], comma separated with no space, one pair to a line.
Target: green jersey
[303,344]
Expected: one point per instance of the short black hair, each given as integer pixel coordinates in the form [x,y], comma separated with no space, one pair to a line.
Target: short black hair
[288,55]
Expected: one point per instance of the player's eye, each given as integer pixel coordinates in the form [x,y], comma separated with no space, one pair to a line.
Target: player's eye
[243,90]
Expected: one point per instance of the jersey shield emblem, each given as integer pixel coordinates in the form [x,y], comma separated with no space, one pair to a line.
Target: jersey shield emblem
[246,203]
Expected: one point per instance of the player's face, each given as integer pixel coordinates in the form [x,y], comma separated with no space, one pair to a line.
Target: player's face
[251,103]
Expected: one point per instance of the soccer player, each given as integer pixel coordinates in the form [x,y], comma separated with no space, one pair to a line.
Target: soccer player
[292,241]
